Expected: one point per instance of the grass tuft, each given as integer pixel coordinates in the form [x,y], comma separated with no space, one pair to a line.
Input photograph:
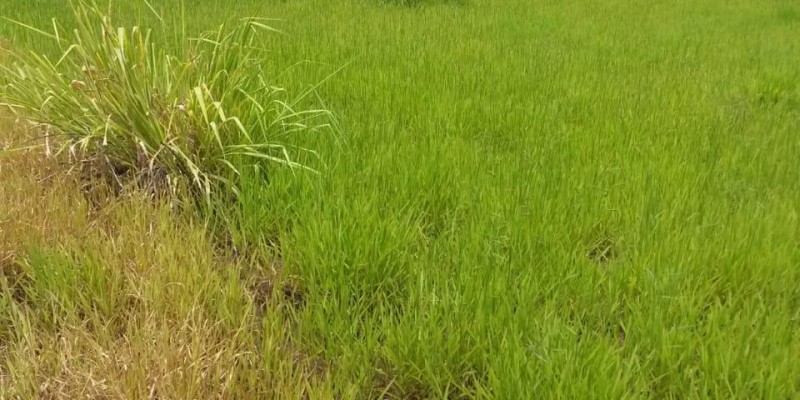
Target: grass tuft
[117,101]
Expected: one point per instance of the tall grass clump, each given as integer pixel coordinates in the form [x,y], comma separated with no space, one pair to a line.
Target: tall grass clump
[191,117]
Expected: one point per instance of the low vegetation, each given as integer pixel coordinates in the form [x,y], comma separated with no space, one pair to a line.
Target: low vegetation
[526,200]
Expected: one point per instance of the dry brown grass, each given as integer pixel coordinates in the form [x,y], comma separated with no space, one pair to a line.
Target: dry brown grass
[147,308]
[38,203]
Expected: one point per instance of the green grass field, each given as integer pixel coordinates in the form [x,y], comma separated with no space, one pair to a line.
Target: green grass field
[521,200]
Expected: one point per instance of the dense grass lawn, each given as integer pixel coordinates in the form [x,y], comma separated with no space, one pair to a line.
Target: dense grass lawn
[523,199]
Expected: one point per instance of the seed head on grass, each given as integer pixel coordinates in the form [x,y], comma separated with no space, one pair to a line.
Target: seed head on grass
[198,115]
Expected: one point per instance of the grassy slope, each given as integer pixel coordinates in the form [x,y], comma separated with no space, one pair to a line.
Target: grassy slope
[488,153]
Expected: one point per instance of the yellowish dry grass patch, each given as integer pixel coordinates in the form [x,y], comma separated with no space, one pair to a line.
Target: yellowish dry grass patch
[38,201]
[129,300]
